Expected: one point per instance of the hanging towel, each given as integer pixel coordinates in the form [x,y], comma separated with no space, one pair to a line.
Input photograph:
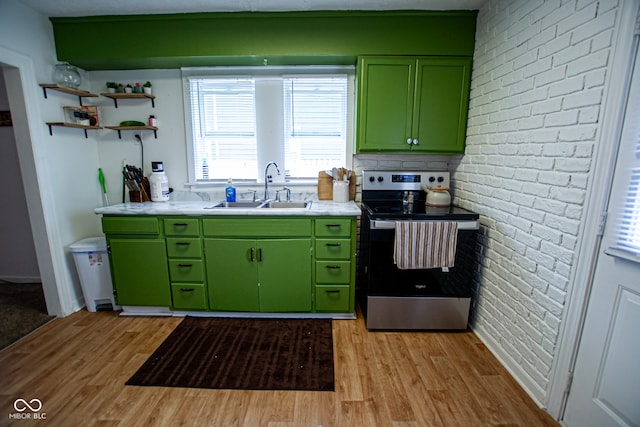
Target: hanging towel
[425,244]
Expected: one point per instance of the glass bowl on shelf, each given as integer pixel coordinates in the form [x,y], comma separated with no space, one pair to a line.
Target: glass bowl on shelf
[67,75]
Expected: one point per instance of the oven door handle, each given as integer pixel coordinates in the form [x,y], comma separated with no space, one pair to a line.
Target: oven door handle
[390,225]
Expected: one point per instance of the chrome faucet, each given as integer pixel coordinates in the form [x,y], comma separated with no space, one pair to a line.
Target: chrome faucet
[288,191]
[267,179]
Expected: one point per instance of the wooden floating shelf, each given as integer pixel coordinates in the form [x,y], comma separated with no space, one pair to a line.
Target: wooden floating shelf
[121,128]
[116,96]
[71,125]
[64,89]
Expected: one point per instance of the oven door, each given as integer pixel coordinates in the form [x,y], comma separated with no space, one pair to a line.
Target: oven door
[423,299]
[383,278]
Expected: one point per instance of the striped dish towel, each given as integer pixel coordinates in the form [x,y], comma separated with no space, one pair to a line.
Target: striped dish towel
[425,244]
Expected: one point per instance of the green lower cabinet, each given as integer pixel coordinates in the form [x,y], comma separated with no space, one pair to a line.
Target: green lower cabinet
[140,272]
[189,296]
[332,298]
[284,272]
[231,274]
[186,270]
[333,272]
[269,275]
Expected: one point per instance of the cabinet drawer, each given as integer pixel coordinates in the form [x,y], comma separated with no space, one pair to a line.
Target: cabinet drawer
[181,227]
[130,225]
[189,296]
[333,227]
[186,270]
[263,227]
[332,298]
[188,247]
[338,272]
[333,249]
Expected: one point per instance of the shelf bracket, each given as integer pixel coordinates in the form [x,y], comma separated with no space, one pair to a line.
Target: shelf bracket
[51,131]
[115,102]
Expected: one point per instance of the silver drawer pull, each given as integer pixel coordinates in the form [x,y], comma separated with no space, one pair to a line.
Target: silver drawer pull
[333,244]
[332,266]
[187,290]
[332,291]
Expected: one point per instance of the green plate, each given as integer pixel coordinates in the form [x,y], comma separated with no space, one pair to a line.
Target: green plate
[131,123]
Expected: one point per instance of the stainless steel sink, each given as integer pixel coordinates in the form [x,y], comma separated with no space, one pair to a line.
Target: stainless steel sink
[261,205]
[286,205]
[237,205]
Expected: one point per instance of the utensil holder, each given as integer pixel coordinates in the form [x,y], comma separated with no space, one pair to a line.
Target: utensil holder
[325,186]
[340,191]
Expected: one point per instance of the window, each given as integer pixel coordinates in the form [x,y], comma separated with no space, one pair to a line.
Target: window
[240,123]
[624,204]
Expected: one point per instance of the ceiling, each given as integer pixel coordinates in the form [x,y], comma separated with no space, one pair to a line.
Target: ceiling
[66,8]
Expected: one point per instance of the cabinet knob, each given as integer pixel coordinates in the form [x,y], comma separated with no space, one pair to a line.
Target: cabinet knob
[409,141]
[415,142]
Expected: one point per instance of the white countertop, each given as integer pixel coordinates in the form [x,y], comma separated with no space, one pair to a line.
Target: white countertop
[318,208]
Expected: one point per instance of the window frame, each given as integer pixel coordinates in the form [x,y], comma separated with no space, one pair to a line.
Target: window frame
[262,72]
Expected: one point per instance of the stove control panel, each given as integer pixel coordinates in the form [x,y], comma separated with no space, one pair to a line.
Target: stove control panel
[404,180]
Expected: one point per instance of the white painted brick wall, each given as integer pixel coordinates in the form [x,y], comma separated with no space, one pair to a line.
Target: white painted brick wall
[537,89]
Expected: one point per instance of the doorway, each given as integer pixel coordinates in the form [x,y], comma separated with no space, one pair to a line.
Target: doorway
[22,92]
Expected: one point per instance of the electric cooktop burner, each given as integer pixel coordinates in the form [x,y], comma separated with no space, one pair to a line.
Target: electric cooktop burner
[415,211]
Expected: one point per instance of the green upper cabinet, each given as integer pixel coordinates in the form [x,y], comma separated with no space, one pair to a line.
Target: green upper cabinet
[412,104]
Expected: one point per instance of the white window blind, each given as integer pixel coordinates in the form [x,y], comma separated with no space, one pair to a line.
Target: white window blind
[315,114]
[223,127]
[628,227]
[240,124]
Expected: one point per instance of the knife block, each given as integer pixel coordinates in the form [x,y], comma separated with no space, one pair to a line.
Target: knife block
[143,194]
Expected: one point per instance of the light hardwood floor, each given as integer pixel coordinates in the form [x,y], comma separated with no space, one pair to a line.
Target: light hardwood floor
[77,366]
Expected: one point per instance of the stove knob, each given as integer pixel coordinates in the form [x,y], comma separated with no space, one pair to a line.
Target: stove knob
[380,179]
[371,179]
[432,178]
[440,179]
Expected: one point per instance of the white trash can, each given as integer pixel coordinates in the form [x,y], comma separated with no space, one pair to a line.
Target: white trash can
[92,263]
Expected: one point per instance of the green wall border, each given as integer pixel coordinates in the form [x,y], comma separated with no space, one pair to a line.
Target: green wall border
[247,38]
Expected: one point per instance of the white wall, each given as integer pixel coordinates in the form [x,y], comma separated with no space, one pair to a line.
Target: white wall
[537,89]
[60,171]
[169,110]
[18,261]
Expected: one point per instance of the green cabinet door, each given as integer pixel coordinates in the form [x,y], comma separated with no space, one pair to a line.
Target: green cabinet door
[270,275]
[232,274]
[140,272]
[284,272]
[413,104]
[385,103]
[440,105]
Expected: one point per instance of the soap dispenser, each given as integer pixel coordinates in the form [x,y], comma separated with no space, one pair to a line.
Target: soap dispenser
[230,191]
